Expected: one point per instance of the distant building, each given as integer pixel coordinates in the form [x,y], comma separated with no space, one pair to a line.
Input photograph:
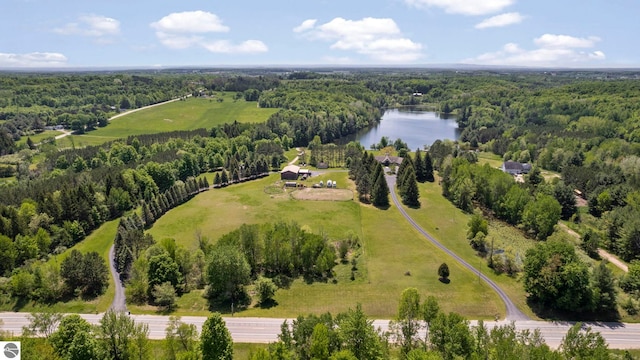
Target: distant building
[322,165]
[515,168]
[387,160]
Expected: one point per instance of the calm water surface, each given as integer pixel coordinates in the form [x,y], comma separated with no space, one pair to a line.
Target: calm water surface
[415,127]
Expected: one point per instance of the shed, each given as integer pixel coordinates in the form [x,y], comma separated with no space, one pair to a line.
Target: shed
[290,172]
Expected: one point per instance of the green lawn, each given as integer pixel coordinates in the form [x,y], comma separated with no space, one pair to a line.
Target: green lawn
[449,226]
[36,138]
[190,114]
[391,249]
[495,161]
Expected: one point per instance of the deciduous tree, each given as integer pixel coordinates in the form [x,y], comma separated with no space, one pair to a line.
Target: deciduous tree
[215,339]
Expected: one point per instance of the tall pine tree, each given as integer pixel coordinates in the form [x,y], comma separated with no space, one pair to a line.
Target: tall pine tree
[421,174]
[411,194]
[380,190]
[428,167]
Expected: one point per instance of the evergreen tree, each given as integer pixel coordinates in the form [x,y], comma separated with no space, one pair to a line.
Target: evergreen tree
[411,193]
[428,168]
[224,178]
[603,287]
[421,174]
[217,180]
[380,190]
[364,186]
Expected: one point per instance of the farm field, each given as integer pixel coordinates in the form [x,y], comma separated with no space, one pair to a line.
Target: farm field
[190,114]
[395,256]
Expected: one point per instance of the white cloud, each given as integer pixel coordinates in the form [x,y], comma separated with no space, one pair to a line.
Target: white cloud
[306,25]
[226,47]
[464,7]
[192,29]
[377,38]
[34,59]
[190,22]
[553,50]
[565,41]
[100,27]
[501,20]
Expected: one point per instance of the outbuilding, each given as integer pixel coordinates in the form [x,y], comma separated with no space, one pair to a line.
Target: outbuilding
[290,172]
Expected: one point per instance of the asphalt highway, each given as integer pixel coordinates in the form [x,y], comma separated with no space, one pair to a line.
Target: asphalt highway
[266,330]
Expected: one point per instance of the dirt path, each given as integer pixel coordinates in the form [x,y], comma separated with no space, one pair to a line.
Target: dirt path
[613,259]
[603,253]
[295,159]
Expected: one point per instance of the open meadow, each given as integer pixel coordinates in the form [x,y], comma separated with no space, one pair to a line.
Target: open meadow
[190,114]
[394,255]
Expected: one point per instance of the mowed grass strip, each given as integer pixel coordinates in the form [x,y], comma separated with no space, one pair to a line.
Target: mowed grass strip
[394,255]
[190,114]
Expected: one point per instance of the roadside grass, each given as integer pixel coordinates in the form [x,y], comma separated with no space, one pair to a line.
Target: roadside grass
[448,225]
[393,255]
[99,240]
[190,114]
[241,351]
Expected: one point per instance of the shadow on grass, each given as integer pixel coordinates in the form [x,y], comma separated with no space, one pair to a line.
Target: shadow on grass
[606,318]
[383,207]
[267,304]
[20,303]
[444,280]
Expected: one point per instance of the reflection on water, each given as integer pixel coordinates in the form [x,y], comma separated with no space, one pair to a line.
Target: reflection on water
[415,127]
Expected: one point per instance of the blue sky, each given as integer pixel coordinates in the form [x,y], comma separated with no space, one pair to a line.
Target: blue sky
[142,33]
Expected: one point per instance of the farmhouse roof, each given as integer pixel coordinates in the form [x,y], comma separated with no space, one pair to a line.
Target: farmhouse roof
[512,165]
[386,159]
[291,168]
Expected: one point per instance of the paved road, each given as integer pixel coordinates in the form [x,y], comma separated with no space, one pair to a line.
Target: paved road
[119,303]
[266,330]
[513,313]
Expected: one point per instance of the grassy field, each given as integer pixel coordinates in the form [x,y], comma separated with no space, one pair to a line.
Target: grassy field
[449,225]
[190,114]
[495,161]
[36,138]
[395,255]
[99,240]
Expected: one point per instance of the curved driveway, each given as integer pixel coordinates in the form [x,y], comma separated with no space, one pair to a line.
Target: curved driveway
[119,302]
[513,313]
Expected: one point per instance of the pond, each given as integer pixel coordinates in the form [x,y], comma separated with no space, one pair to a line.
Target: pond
[415,127]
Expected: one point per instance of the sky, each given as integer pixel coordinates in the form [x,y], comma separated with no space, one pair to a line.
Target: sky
[143,33]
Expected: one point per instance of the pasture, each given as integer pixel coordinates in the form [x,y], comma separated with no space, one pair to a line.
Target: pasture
[190,114]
